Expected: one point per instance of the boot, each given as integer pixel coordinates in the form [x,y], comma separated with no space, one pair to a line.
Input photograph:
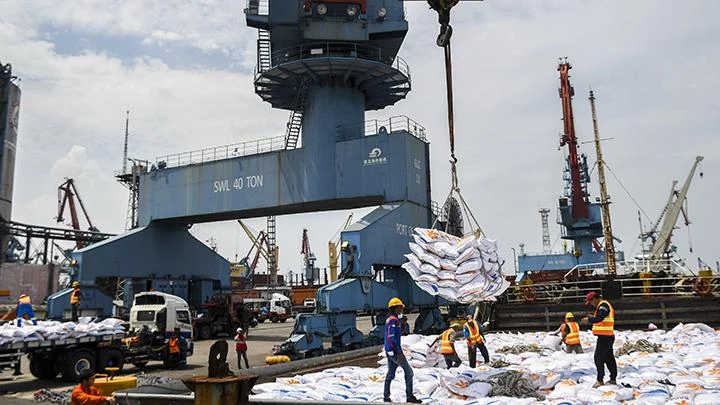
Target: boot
[413,400]
[597,384]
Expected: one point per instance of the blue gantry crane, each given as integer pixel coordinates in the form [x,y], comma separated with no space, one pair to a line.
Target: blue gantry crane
[326,62]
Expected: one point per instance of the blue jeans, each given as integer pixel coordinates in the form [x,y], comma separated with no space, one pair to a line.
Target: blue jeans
[393,363]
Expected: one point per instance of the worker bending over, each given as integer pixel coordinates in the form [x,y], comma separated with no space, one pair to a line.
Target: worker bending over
[86,394]
[570,332]
[447,345]
[475,340]
[24,310]
[394,353]
[603,324]
[75,301]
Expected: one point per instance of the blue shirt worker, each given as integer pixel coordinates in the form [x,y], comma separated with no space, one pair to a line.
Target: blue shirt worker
[394,353]
[25,310]
[475,340]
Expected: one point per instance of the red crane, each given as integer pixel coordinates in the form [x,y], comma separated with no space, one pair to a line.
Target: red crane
[577,191]
[67,192]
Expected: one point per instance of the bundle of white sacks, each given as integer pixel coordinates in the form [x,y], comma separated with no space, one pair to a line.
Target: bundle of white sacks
[52,330]
[686,372]
[464,270]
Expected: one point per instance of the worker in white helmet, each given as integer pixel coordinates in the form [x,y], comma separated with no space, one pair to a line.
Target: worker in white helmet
[241,347]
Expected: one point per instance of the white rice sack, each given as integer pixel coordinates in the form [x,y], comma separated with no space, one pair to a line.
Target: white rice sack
[564,389]
[446,275]
[437,248]
[707,398]
[429,269]
[428,288]
[412,270]
[470,266]
[414,260]
[449,265]
[468,242]
[466,278]
[467,254]
[448,293]
[447,284]
[426,278]
[551,342]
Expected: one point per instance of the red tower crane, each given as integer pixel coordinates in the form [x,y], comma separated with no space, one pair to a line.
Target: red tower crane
[67,192]
[577,191]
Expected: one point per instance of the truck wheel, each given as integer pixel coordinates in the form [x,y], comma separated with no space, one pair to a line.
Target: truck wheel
[204,332]
[274,319]
[283,320]
[43,368]
[77,361]
[261,319]
[111,358]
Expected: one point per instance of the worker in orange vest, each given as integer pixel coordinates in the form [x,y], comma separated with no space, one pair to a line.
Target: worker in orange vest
[475,340]
[174,349]
[447,345]
[86,394]
[24,310]
[570,332]
[603,325]
[75,300]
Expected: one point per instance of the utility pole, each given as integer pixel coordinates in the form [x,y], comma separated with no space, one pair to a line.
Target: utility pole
[604,199]
[545,230]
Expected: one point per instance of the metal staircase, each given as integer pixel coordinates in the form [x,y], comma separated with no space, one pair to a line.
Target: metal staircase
[294,123]
[263,51]
[272,251]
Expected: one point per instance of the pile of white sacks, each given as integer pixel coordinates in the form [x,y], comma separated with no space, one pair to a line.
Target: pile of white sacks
[464,270]
[687,371]
[53,330]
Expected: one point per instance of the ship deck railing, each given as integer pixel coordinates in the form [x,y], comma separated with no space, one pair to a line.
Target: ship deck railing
[575,291]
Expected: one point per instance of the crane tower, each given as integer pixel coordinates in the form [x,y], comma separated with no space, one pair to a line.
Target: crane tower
[544,212]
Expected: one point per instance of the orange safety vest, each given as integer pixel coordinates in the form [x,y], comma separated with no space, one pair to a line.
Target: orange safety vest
[24,300]
[475,336]
[75,297]
[606,326]
[446,344]
[173,345]
[573,337]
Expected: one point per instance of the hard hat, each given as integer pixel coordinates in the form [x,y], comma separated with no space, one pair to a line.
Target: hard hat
[23,295]
[455,325]
[590,296]
[75,284]
[238,330]
[395,302]
[569,315]
[469,317]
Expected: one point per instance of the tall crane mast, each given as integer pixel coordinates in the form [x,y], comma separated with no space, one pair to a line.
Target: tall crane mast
[577,191]
[67,192]
[308,258]
[675,205]
[604,199]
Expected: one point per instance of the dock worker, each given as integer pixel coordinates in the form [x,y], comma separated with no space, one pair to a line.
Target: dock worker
[447,345]
[174,349]
[394,353]
[475,340]
[24,310]
[352,255]
[603,325]
[241,347]
[75,300]
[86,394]
[570,333]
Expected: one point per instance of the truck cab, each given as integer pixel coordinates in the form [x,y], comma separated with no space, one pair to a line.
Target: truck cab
[162,313]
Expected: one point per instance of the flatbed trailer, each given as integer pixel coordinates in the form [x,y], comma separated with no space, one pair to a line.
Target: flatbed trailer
[69,357]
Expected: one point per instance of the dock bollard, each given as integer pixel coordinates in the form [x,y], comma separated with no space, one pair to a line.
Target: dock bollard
[220,386]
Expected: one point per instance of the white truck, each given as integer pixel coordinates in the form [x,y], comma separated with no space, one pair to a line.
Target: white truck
[157,311]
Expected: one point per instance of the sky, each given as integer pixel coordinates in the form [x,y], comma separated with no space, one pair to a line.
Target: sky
[184,70]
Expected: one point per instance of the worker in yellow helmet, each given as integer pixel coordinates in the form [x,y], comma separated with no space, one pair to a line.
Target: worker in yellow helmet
[475,340]
[75,300]
[447,345]
[570,333]
[24,310]
[393,351]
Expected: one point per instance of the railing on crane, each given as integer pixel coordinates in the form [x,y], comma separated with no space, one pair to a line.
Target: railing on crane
[333,246]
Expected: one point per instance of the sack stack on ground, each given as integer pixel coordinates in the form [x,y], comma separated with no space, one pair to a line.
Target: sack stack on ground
[685,370]
[464,270]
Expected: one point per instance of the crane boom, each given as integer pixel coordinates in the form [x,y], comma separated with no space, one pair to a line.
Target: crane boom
[604,200]
[672,210]
[577,194]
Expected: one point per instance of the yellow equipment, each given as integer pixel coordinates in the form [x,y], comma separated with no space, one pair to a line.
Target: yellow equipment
[109,383]
[270,360]
[569,315]
[333,249]
[395,302]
